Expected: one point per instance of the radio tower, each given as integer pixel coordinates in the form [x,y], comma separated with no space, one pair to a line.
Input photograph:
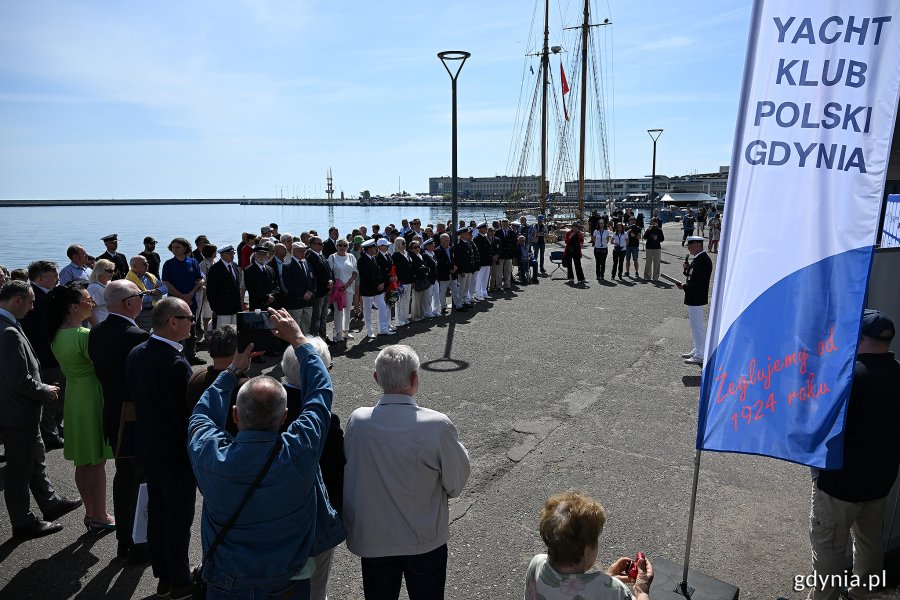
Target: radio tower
[330,189]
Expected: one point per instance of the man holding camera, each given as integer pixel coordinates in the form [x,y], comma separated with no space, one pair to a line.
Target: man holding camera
[272,539]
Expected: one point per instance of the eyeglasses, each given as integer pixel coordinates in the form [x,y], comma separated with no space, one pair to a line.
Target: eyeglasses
[184,318]
[109,270]
[138,295]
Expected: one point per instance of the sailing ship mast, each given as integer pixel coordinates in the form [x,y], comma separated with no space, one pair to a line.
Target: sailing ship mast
[545,73]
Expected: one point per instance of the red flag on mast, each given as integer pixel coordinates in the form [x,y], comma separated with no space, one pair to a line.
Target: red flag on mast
[565,90]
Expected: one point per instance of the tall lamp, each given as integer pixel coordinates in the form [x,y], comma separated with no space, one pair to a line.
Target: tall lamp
[455,58]
[654,135]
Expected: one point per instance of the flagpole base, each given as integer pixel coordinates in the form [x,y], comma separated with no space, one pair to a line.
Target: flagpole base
[668,584]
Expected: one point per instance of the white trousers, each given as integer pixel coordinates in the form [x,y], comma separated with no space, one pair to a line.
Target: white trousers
[472,289]
[384,314]
[437,301]
[698,331]
[481,283]
[222,320]
[342,317]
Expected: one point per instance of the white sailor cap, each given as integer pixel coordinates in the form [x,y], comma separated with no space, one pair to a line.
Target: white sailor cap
[368,244]
[224,249]
[695,238]
[113,237]
[383,242]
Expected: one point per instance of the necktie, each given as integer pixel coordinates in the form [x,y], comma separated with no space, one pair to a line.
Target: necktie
[231,270]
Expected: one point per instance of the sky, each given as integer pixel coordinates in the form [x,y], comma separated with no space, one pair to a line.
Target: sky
[259,98]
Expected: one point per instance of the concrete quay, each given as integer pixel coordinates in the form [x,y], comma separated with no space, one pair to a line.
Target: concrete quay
[551,387]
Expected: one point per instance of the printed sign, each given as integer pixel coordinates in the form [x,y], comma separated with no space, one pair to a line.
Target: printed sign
[806,184]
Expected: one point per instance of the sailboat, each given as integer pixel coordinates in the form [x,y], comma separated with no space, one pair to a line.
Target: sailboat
[550,196]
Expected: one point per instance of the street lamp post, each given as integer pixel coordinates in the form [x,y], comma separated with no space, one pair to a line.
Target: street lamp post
[454,57]
[654,135]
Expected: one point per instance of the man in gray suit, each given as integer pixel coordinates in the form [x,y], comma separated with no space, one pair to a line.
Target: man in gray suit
[21,396]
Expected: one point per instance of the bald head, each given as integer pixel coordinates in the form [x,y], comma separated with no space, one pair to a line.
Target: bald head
[121,298]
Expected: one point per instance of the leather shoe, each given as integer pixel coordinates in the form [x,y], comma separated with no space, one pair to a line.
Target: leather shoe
[195,361]
[37,529]
[56,444]
[62,507]
[138,554]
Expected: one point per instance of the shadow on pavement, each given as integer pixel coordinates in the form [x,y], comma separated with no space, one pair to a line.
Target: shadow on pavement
[446,364]
[66,568]
[691,380]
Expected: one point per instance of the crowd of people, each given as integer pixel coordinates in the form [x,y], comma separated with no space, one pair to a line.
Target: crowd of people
[106,348]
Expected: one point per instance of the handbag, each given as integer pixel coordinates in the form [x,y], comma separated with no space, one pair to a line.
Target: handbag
[198,585]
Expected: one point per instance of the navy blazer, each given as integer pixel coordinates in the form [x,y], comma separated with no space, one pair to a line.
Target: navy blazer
[34,325]
[223,291]
[108,346]
[157,376]
[260,283]
[298,282]
[370,276]
[444,262]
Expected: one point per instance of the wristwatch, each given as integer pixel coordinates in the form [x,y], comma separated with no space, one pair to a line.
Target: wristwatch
[233,370]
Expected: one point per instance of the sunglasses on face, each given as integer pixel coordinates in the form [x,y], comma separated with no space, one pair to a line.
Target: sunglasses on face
[184,318]
[109,270]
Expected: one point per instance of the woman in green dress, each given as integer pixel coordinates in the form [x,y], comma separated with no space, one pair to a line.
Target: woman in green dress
[68,306]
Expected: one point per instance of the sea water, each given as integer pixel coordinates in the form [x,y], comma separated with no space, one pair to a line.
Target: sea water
[32,233]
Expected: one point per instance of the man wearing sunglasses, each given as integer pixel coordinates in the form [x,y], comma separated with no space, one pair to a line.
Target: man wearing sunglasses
[157,373]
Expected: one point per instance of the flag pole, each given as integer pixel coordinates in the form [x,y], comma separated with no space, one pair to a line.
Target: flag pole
[683,589]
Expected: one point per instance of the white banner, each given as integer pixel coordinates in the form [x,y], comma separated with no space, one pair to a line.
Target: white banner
[805,188]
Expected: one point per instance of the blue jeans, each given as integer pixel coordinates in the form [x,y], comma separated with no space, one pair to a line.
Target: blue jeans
[537,249]
[425,575]
[295,590]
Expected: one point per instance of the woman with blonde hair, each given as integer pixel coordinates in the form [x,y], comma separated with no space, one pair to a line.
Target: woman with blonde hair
[103,272]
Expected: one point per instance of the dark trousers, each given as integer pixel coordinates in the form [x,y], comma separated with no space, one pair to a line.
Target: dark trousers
[618,261]
[684,237]
[170,514]
[600,255]
[126,482]
[575,261]
[319,323]
[425,575]
[25,470]
[52,413]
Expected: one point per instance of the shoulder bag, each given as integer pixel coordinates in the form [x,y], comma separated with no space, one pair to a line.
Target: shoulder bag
[198,585]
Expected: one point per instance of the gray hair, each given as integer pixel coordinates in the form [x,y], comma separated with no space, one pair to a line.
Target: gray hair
[261,403]
[164,310]
[394,366]
[291,368]
[118,290]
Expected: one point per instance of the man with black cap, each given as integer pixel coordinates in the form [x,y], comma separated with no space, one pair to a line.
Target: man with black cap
[225,288]
[112,254]
[372,283]
[485,259]
[153,259]
[464,258]
[853,497]
[696,296]
[260,280]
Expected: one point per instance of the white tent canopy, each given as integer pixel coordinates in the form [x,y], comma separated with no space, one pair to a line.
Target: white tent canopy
[684,198]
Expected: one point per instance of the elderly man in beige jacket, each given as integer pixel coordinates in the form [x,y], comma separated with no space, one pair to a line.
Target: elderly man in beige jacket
[403,463]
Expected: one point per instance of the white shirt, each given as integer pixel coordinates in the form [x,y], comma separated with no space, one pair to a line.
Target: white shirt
[96,290]
[601,238]
[620,240]
[344,267]
[172,343]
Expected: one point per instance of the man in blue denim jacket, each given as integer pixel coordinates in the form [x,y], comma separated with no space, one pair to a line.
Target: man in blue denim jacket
[272,539]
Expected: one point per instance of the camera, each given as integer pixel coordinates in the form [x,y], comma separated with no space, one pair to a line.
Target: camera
[254,327]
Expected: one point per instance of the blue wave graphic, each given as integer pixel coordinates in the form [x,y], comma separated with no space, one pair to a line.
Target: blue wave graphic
[779,382]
